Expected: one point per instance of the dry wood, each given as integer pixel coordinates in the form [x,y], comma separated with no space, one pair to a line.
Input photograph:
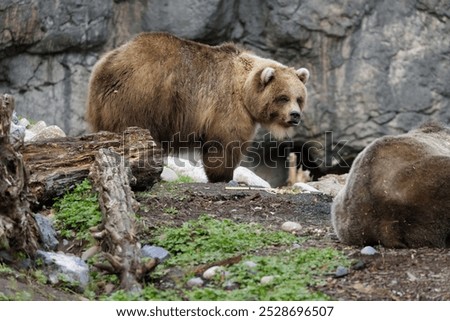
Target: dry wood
[199,270]
[18,230]
[112,178]
[56,165]
[296,175]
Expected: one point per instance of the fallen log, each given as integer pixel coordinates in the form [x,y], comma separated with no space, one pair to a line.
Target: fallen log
[18,229]
[57,165]
[111,178]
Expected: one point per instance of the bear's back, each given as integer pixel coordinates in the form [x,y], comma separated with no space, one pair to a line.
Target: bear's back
[160,82]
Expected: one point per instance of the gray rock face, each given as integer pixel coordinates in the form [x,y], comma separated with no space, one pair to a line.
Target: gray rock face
[377,67]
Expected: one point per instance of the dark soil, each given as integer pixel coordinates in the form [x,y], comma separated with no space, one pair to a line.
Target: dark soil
[392,274]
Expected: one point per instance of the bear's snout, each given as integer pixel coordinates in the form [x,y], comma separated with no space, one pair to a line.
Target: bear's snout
[295,118]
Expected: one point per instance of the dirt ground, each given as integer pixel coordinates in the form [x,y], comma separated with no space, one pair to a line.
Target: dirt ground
[392,274]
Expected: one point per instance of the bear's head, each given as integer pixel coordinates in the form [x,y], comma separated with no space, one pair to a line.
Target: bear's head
[275,96]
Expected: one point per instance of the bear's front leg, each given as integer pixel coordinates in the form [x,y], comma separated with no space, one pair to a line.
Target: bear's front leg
[220,160]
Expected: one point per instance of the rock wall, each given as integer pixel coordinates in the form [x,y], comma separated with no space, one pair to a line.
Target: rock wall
[377,67]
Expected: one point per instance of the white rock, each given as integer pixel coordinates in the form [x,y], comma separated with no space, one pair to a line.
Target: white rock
[49,132]
[245,175]
[212,271]
[368,250]
[330,184]
[184,167]
[304,187]
[29,135]
[17,133]
[230,285]
[36,128]
[195,282]
[267,279]
[72,268]
[14,118]
[291,227]
[24,122]
[250,264]
[168,174]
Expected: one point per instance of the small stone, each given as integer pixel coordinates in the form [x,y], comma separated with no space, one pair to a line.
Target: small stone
[14,118]
[24,122]
[155,252]
[411,276]
[368,250]
[17,134]
[46,232]
[70,267]
[340,272]
[48,133]
[250,264]
[36,128]
[244,175]
[195,282]
[359,266]
[267,279]
[305,188]
[291,227]
[29,135]
[211,272]
[109,287]
[233,183]
[230,285]
[90,252]
[168,175]
[184,167]
[296,246]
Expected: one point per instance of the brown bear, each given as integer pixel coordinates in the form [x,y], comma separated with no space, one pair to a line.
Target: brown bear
[189,94]
[397,193]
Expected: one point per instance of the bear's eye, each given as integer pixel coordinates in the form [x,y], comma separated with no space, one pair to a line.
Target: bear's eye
[299,100]
[282,99]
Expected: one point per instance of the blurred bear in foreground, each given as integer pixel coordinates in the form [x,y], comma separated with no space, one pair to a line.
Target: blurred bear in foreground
[397,193]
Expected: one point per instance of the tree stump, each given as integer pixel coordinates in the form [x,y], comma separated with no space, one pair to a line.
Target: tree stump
[18,229]
[56,165]
[112,178]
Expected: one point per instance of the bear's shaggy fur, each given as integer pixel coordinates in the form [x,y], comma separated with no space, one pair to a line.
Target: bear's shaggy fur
[193,95]
[398,192]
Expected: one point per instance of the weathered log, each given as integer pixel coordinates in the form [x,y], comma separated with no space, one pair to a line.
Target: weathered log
[56,165]
[112,178]
[18,229]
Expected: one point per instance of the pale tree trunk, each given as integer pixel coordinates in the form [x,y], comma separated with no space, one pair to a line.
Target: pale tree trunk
[117,233]
[18,229]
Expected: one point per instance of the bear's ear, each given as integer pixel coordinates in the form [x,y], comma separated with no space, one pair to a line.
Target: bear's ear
[267,75]
[303,74]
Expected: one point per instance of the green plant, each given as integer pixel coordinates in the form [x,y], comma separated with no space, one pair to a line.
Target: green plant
[40,276]
[183,179]
[171,210]
[293,275]
[77,211]
[5,270]
[295,272]
[207,239]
